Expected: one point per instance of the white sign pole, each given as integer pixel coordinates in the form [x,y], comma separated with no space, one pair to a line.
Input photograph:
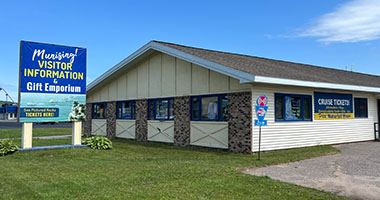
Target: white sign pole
[259,142]
[27,132]
[77,133]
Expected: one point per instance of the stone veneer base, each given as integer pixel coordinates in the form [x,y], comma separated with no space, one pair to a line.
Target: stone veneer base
[240,122]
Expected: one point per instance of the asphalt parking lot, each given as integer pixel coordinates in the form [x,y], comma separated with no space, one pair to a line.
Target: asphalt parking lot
[353,173]
[12,124]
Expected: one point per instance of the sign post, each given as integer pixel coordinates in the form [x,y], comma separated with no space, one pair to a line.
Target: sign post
[261,110]
[77,133]
[52,87]
[26,139]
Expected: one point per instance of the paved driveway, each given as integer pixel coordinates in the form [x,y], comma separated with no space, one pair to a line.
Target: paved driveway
[353,173]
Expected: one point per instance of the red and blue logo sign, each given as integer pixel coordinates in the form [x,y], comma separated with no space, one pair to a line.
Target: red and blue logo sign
[261,110]
[262,100]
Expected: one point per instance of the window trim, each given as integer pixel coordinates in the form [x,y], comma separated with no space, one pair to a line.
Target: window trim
[360,98]
[220,97]
[133,109]
[302,96]
[93,110]
[155,110]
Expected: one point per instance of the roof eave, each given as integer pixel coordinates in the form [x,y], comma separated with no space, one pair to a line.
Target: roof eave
[290,82]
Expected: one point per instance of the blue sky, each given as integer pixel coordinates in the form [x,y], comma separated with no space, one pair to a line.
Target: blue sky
[326,33]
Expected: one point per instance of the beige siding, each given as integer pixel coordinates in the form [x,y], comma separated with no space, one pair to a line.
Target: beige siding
[112,90]
[236,86]
[104,94]
[162,75]
[218,82]
[155,75]
[122,87]
[168,75]
[183,77]
[282,135]
[132,84]
[143,80]
[93,97]
[199,80]
[90,98]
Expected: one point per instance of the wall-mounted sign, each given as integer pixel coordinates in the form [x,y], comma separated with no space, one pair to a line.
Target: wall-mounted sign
[52,82]
[328,106]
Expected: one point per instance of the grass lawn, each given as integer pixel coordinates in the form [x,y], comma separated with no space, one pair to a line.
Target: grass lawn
[16,133]
[134,170]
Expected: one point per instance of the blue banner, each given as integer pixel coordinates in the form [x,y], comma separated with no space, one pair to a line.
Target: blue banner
[52,77]
[328,106]
[48,68]
[39,112]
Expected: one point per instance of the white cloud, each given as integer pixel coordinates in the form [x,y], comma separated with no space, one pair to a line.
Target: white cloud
[354,21]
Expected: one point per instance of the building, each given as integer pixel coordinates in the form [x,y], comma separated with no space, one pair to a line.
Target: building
[171,93]
[8,112]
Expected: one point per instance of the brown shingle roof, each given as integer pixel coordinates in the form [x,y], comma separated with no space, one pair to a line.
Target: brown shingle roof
[280,69]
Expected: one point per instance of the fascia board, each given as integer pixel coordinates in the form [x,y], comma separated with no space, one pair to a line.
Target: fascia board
[281,81]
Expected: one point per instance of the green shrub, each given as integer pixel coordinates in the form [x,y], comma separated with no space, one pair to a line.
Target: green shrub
[7,147]
[98,142]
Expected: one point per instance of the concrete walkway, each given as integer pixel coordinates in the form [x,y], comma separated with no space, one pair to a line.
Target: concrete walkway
[52,137]
[353,173]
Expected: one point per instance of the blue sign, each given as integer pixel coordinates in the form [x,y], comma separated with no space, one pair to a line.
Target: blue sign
[11,109]
[328,106]
[261,110]
[48,68]
[261,123]
[52,77]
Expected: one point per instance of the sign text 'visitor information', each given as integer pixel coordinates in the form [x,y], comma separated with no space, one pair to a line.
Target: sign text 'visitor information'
[52,82]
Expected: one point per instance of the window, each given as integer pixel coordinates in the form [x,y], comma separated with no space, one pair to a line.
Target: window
[98,110]
[126,110]
[161,109]
[209,108]
[361,108]
[293,107]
